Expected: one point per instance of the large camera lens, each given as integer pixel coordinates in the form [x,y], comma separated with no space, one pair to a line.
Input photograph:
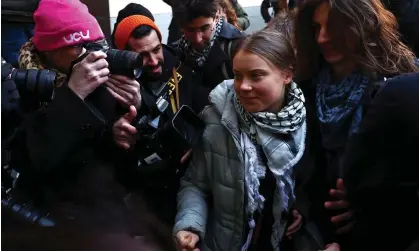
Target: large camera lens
[38,84]
[125,63]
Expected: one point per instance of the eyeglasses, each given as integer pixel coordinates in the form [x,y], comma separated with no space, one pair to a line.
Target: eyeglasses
[206,28]
[203,29]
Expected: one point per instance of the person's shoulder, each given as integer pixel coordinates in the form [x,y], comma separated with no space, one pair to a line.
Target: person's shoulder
[402,85]
[170,57]
[230,32]
[401,92]
[218,97]
[167,49]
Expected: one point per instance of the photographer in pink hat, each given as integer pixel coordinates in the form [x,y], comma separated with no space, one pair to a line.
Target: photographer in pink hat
[62,28]
[66,156]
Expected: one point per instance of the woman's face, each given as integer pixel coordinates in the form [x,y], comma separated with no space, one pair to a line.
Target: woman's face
[320,20]
[62,58]
[259,84]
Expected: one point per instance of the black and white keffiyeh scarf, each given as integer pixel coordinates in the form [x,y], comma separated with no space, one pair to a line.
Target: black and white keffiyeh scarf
[261,129]
[195,58]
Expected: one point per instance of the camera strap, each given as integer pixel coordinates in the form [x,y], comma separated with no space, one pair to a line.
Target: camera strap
[166,92]
[174,86]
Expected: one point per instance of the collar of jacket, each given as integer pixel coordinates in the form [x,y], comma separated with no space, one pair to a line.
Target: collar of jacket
[229,31]
[170,61]
[217,56]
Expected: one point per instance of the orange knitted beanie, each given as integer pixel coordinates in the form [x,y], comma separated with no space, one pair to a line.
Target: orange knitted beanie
[128,25]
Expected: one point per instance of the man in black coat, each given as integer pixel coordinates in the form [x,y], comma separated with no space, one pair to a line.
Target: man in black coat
[136,31]
[381,169]
[208,41]
[157,181]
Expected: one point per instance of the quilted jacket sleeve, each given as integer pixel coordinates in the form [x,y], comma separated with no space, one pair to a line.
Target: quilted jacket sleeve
[242,17]
[192,196]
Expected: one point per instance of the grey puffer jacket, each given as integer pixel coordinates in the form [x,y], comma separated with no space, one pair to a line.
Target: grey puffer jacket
[211,199]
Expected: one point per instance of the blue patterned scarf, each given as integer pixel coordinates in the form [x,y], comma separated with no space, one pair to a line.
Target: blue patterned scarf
[339,108]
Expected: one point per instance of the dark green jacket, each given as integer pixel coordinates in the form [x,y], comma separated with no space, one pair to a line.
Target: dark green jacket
[242,16]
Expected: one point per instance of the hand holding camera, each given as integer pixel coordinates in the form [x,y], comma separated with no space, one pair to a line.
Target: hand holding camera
[125,90]
[89,74]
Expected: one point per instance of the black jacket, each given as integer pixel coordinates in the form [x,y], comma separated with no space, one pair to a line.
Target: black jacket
[382,169]
[191,90]
[321,175]
[18,10]
[406,12]
[64,150]
[212,71]
[159,182]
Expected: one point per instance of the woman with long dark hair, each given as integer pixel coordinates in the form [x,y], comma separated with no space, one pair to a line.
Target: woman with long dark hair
[346,48]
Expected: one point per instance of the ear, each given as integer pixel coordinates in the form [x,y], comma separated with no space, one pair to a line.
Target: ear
[288,75]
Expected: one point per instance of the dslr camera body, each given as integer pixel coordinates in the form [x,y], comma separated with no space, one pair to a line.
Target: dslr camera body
[163,137]
[121,62]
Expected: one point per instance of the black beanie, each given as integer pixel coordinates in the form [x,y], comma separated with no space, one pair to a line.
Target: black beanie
[133,9]
[129,10]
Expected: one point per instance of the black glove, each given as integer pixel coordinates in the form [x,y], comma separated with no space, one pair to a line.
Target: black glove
[10,97]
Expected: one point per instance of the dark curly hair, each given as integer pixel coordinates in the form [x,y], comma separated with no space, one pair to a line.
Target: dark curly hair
[378,45]
[184,11]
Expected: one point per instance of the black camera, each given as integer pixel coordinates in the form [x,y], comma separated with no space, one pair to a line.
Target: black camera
[121,62]
[33,83]
[25,211]
[165,135]
[170,141]
[19,208]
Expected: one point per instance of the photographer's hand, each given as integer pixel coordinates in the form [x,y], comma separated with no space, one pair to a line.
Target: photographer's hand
[123,131]
[89,74]
[125,90]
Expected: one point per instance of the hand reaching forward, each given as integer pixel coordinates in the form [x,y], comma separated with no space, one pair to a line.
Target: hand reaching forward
[186,241]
